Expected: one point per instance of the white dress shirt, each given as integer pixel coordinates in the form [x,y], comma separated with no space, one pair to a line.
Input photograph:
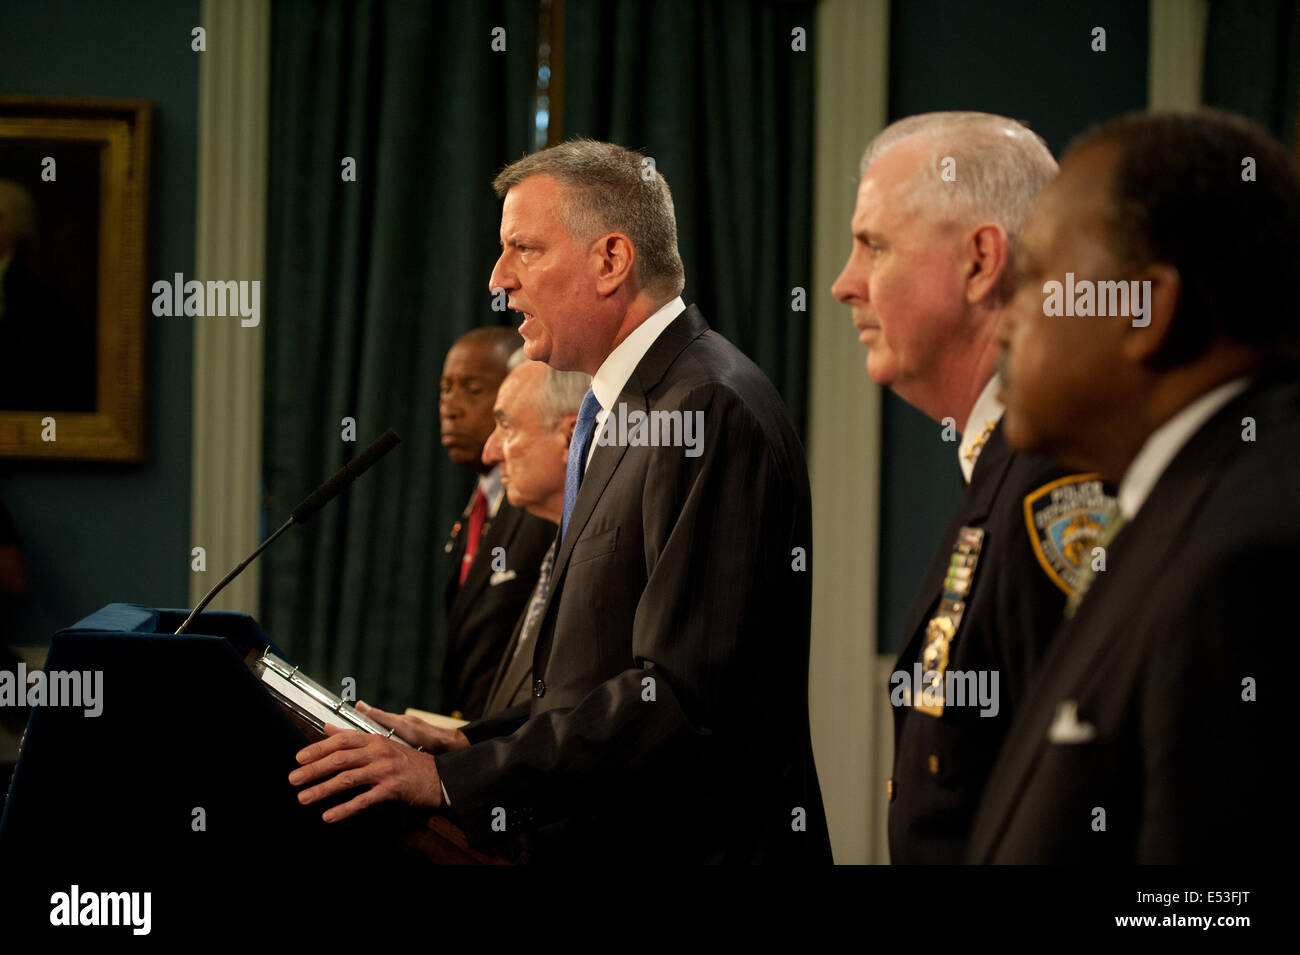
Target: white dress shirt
[1166,441]
[613,373]
[607,384]
[490,485]
[986,411]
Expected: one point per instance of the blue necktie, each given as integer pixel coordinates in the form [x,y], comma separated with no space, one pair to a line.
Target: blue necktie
[578,455]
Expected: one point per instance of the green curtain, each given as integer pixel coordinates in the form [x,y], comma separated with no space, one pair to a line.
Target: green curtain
[368,284]
[716,94]
[1252,62]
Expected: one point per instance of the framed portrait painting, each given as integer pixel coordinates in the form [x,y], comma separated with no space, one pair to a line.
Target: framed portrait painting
[74,176]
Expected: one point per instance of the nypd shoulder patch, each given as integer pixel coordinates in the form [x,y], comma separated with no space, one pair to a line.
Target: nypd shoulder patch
[1066,520]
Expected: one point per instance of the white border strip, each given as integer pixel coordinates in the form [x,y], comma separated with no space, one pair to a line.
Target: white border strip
[852,50]
[234,93]
[1176,56]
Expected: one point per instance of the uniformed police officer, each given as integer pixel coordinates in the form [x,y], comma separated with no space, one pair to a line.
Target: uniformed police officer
[941,200]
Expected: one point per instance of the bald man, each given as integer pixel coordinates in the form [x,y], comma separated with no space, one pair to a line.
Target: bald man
[495,548]
[536,411]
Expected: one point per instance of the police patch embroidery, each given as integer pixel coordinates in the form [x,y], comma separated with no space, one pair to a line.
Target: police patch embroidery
[1066,520]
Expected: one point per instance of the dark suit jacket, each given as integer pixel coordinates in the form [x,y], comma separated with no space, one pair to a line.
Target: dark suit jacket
[1196,587]
[512,684]
[480,614]
[669,719]
[941,764]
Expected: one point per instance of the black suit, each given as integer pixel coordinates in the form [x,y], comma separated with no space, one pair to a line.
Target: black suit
[669,719]
[1196,587]
[480,614]
[512,684]
[941,763]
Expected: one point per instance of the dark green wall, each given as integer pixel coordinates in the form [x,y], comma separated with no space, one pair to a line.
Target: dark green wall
[1022,58]
[96,533]
[1252,62]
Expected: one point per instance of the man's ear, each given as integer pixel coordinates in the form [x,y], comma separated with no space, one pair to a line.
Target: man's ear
[985,261]
[616,257]
[567,425]
[1153,312]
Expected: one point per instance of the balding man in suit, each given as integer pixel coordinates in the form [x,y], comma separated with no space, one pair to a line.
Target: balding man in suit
[536,410]
[1154,338]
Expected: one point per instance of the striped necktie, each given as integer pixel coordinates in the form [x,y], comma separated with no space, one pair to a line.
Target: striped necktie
[533,619]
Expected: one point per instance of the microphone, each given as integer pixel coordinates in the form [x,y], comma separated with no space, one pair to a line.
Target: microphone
[307,510]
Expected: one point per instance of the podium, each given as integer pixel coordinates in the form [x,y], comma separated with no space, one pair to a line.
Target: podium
[182,777]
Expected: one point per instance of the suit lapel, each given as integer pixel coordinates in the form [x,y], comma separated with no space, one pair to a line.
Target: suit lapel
[499,532]
[650,370]
[516,675]
[500,693]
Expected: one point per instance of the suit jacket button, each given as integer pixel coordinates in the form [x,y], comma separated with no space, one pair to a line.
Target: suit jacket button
[539,689]
[892,789]
[934,764]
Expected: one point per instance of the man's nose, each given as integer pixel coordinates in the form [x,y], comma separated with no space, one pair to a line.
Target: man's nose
[848,287]
[501,279]
[492,449]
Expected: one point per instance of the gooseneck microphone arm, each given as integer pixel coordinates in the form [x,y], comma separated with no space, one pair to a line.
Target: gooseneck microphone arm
[307,510]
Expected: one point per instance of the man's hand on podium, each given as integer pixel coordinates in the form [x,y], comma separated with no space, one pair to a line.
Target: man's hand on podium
[416,731]
[349,759]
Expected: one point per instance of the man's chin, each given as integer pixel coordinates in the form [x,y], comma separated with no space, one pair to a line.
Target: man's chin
[535,350]
[1020,434]
[459,455]
[878,369]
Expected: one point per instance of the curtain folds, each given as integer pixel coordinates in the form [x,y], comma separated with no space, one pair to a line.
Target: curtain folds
[368,284]
[718,96]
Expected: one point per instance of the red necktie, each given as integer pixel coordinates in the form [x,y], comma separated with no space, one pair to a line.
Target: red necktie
[476,519]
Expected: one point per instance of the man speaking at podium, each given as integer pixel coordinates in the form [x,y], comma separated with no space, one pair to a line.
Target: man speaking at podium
[669,712]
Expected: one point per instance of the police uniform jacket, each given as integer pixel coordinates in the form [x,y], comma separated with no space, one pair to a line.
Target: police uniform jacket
[1016,595]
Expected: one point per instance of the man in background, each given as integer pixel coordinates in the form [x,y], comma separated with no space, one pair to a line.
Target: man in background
[536,409]
[940,206]
[495,548]
[1155,338]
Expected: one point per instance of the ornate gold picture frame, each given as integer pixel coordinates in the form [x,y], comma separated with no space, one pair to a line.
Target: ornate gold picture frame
[74,185]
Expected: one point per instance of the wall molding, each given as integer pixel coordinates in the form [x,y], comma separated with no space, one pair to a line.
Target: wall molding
[1176,53]
[230,244]
[845,688]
